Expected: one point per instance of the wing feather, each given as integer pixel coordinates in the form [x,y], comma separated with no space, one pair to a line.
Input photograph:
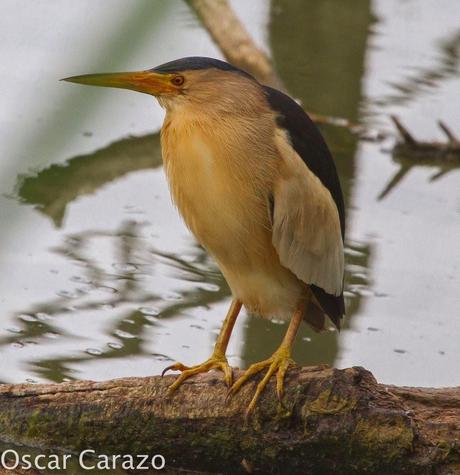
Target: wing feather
[306,225]
[311,148]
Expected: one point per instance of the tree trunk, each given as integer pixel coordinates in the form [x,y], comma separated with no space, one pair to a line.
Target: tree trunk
[331,421]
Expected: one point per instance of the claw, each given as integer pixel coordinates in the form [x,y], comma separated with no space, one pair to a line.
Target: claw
[174,367]
[228,375]
[165,370]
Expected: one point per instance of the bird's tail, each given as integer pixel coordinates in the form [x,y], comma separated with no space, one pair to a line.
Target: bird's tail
[325,306]
[315,317]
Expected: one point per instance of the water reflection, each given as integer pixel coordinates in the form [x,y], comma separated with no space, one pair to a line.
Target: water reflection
[424,80]
[312,80]
[122,289]
[119,289]
[325,73]
[52,189]
[120,284]
[129,295]
[410,152]
[406,164]
[319,48]
[263,337]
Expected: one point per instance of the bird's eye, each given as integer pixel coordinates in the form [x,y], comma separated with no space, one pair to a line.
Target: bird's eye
[178,80]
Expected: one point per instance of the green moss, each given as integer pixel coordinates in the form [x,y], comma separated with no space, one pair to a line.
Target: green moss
[36,421]
[329,403]
[271,453]
[391,439]
[450,451]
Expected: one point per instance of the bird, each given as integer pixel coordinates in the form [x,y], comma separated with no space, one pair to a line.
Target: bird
[256,184]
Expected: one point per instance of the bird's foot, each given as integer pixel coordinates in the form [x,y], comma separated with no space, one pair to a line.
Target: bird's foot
[279,362]
[216,361]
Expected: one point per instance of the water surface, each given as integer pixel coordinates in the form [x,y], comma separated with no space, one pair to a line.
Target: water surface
[99,276]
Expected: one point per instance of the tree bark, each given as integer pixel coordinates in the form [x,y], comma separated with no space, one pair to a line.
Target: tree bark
[331,421]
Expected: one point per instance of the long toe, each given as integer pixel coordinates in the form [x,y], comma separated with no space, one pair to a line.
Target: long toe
[248,374]
[174,367]
[278,363]
[219,363]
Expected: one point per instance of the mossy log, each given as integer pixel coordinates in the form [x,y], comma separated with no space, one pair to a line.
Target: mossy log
[331,421]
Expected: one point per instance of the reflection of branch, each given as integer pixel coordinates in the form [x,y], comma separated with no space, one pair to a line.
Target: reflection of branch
[133,303]
[400,174]
[446,67]
[450,135]
[411,151]
[236,44]
[238,47]
[412,148]
[53,188]
[405,134]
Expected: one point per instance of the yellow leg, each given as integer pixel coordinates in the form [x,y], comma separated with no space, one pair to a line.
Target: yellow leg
[218,360]
[279,362]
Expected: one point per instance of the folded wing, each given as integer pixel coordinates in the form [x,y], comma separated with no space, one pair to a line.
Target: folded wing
[306,225]
[308,208]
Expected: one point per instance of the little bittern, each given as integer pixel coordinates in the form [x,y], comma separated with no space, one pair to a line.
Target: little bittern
[257,186]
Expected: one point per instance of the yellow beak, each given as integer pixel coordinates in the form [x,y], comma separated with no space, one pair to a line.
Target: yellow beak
[147,82]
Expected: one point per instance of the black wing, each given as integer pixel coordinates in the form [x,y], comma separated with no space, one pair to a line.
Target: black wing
[308,142]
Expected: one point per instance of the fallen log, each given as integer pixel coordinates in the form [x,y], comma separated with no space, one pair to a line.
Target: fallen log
[331,421]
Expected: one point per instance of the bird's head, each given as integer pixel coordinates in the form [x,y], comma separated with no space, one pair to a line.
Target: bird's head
[205,82]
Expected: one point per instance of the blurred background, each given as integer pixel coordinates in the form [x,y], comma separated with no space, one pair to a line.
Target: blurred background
[99,278]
